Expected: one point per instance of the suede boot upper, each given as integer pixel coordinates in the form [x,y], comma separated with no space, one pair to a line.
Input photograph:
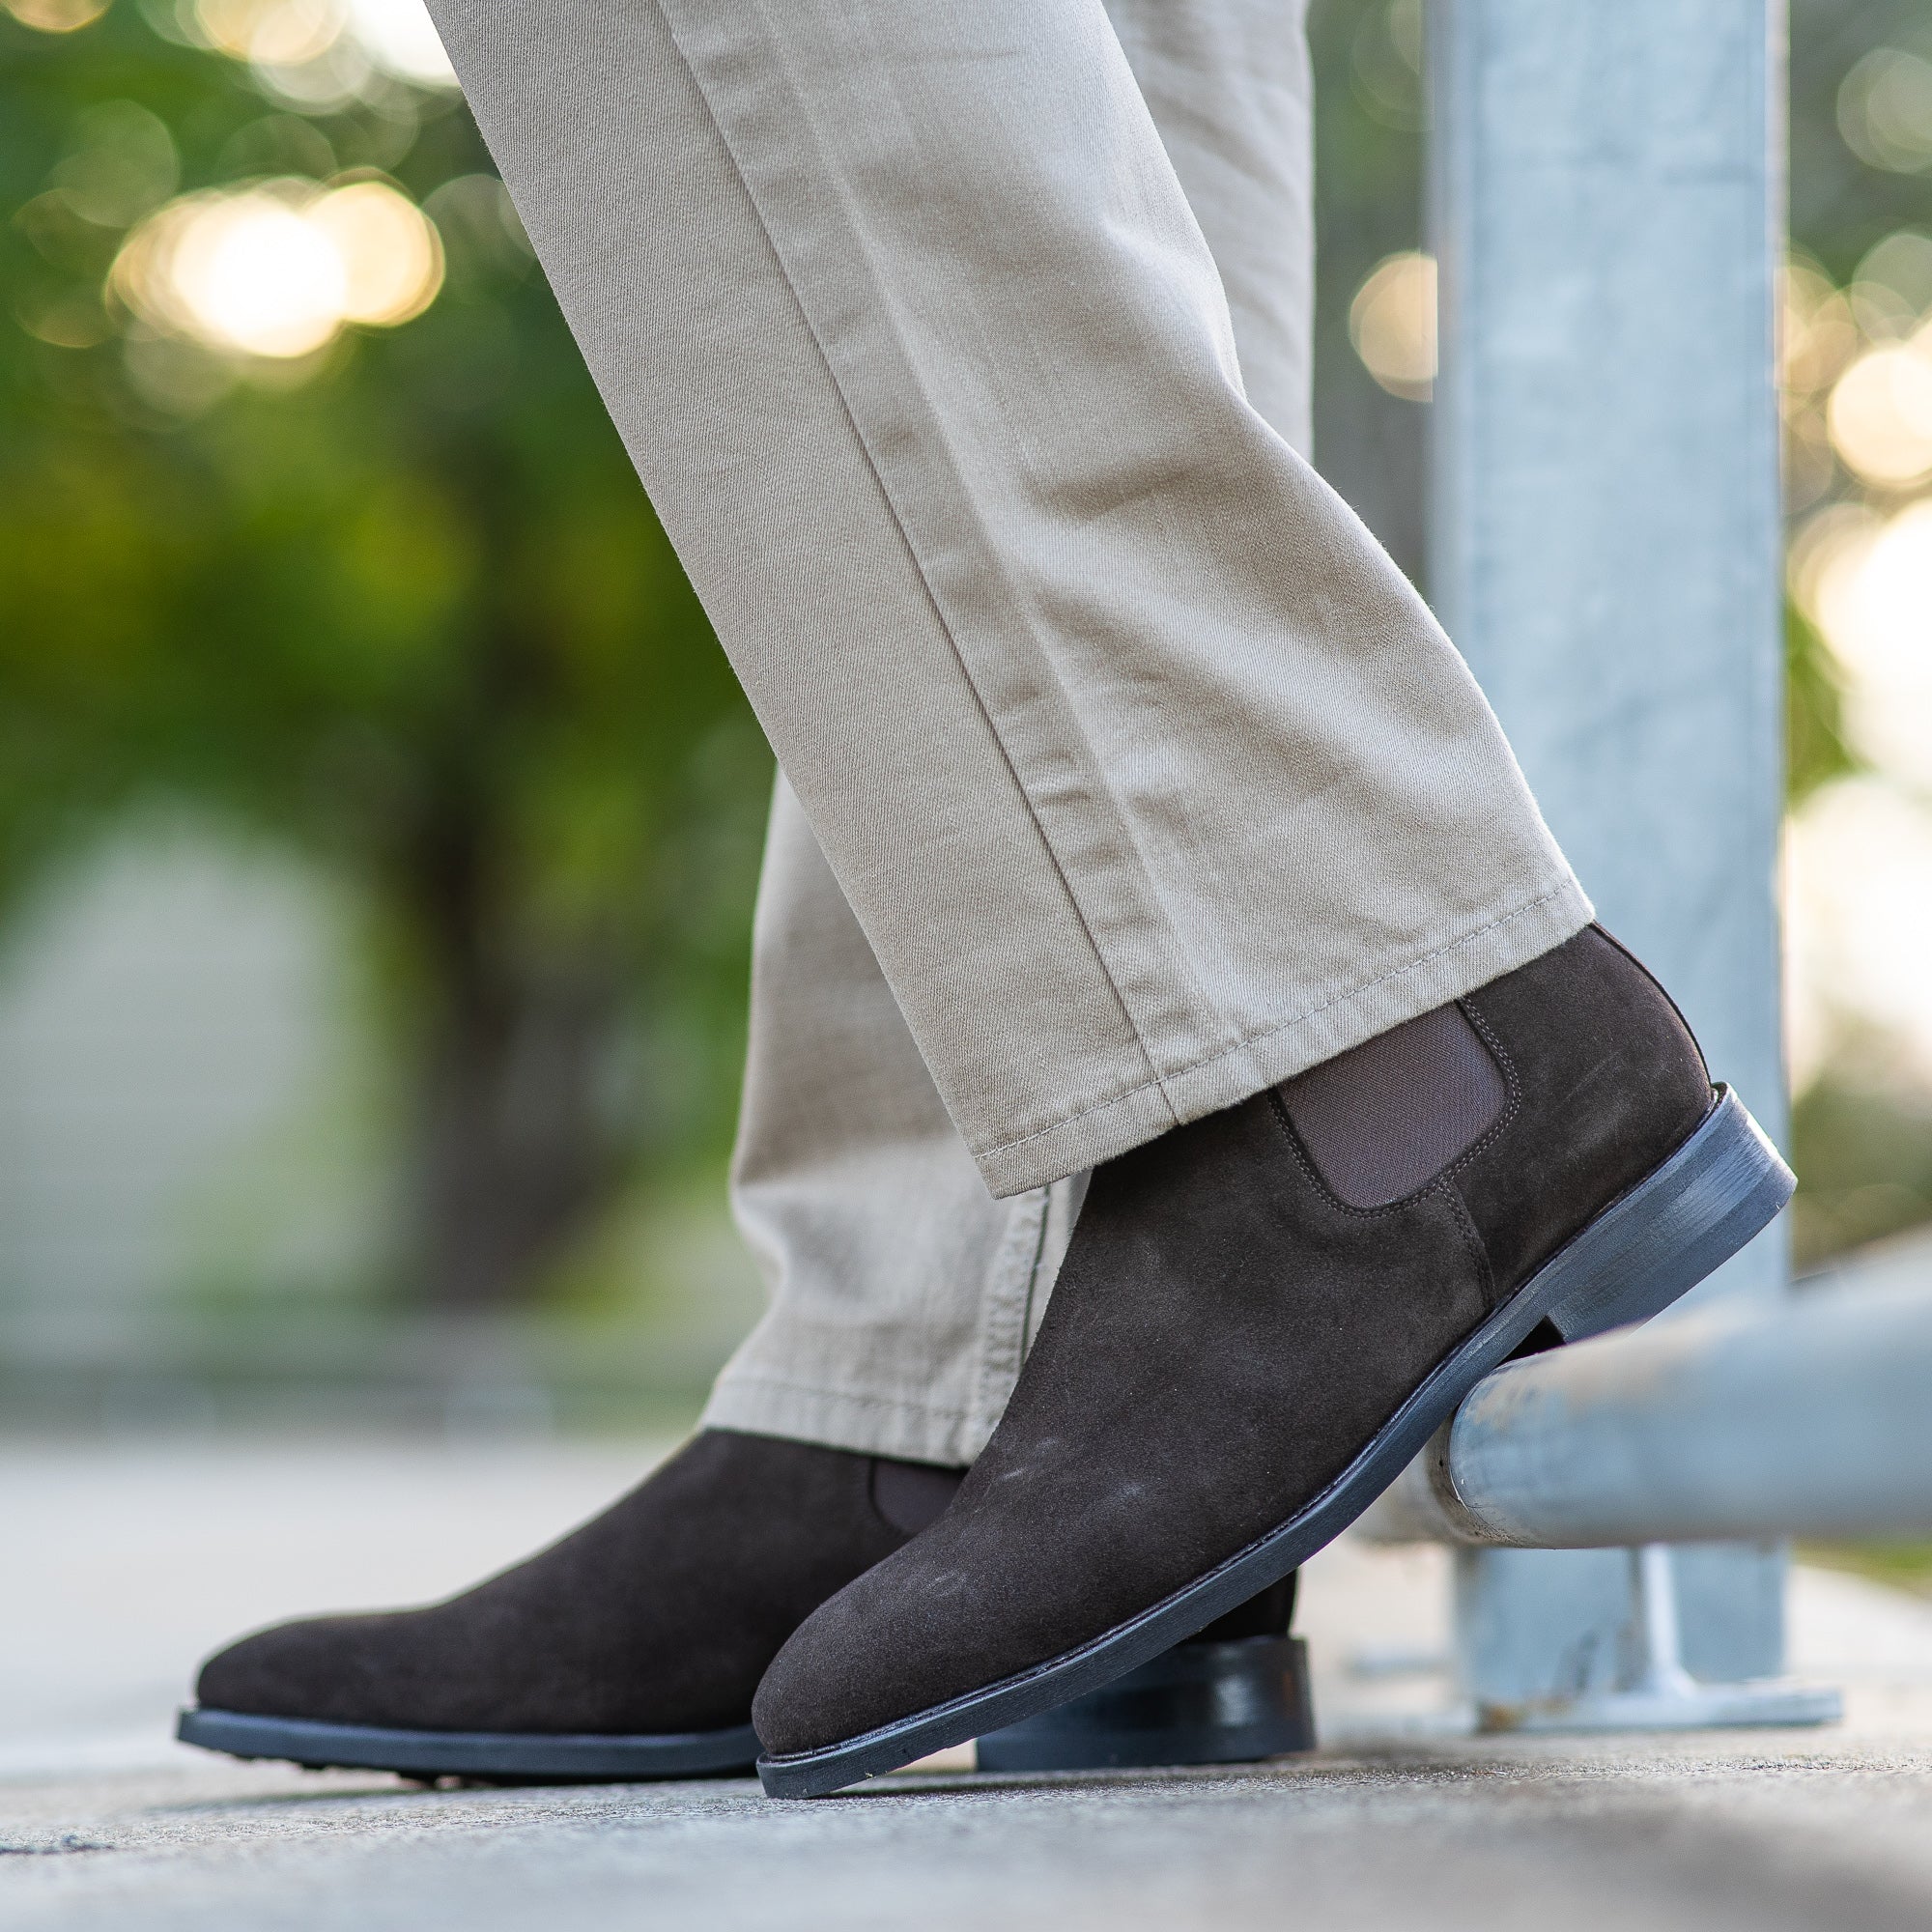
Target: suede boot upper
[1229,1331]
[657,1616]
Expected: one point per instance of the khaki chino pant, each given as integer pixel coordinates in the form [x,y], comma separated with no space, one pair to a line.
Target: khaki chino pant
[962,346]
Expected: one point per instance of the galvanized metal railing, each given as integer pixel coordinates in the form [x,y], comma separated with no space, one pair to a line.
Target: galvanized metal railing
[1606,547]
[1806,1417]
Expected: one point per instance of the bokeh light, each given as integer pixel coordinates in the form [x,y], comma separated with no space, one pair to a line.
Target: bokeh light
[1892,287]
[1866,583]
[1884,111]
[1392,325]
[122,163]
[474,213]
[1858,907]
[1820,334]
[401,39]
[1881,415]
[254,275]
[275,32]
[1817,336]
[390,256]
[318,55]
[277,270]
[56,17]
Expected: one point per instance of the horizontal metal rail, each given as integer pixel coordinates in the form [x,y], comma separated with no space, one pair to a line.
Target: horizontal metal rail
[1810,1417]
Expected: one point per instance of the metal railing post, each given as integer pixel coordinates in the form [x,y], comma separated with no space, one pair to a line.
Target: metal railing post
[1605,201]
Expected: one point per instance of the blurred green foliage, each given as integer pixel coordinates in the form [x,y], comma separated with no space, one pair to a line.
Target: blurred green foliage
[1371,115]
[1815,743]
[1840,205]
[1861,1134]
[1902,1565]
[1865,1152]
[1839,208]
[401,605]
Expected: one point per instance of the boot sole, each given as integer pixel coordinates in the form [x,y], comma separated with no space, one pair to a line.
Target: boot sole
[1209,1704]
[512,1757]
[1692,1211]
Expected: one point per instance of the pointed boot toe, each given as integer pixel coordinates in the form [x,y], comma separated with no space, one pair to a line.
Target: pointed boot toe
[293,1669]
[628,1650]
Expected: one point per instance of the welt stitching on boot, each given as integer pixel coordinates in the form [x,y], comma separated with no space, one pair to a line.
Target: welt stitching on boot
[1236,1360]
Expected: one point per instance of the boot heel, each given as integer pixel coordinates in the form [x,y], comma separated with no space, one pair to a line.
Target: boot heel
[1724,1185]
[1198,1704]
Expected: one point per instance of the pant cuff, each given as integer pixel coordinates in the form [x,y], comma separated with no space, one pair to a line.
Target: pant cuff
[1277,1053]
[868,1425]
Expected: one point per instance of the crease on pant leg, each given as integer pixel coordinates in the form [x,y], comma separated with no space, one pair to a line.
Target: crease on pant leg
[819,1404]
[1011,1295]
[1146,959]
[1230,99]
[1320,814]
[1004,1301]
[1237,191]
[747,447]
[1230,84]
[1200,1059]
[1017,1297]
[1244,179]
[893,1273]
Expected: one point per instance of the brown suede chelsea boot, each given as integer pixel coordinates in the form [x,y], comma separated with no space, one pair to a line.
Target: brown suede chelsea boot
[628,1650]
[1263,1315]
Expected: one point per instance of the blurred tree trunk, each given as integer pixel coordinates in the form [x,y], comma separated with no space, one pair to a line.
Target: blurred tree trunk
[513,1144]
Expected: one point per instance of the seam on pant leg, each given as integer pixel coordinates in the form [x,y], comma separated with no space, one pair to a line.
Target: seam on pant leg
[841,1418]
[940,617]
[838,1394]
[1007,1297]
[1193,1013]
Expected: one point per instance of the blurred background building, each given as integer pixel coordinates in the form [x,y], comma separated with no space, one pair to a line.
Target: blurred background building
[379,820]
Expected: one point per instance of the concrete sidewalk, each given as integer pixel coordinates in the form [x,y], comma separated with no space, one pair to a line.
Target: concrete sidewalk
[124,1562]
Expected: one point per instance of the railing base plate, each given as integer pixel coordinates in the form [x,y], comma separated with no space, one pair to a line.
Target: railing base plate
[1687,1707]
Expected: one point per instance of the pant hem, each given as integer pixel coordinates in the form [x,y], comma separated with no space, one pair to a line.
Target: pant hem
[868,1425]
[1277,1053]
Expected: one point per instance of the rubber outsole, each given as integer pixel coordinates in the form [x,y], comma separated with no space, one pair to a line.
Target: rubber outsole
[1200,1703]
[520,1758]
[1694,1210]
